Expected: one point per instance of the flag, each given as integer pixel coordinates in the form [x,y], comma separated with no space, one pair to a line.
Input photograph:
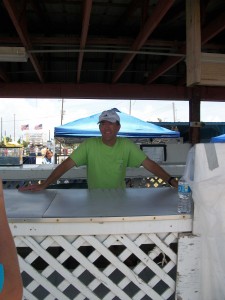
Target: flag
[37,127]
[25,127]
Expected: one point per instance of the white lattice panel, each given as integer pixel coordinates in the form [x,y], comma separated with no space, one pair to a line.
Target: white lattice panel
[113,266]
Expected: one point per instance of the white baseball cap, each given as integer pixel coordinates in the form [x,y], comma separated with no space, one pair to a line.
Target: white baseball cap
[109,115]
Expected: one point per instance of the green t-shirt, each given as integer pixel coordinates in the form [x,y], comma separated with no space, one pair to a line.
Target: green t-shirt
[106,166]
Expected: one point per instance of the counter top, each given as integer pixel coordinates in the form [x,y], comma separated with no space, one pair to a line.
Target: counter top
[135,203]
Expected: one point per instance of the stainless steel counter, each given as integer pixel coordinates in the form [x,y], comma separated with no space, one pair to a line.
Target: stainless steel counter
[132,203]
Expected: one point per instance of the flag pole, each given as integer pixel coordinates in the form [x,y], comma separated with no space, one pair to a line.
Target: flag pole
[62,112]
[14,127]
[1,129]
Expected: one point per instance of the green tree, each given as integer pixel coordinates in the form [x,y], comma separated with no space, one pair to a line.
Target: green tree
[25,144]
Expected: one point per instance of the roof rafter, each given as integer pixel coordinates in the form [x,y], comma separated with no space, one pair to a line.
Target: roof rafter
[21,30]
[45,19]
[83,40]
[4,76]
[133,6]
[214,28]
[151,23]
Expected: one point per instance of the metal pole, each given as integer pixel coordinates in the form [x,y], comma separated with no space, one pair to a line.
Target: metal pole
[61,124]
[62,112]
[1,129]
[14,128]
[174,114]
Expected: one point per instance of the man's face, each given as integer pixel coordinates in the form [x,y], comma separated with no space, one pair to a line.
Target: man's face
[109,130]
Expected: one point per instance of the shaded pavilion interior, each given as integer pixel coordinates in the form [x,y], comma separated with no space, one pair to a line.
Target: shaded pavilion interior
[107,49]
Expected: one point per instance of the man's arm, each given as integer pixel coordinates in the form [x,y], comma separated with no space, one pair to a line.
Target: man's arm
[157,170]
[13,285]
[66,165]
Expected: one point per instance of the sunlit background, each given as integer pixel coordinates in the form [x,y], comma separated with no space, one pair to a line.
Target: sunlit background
[53,112]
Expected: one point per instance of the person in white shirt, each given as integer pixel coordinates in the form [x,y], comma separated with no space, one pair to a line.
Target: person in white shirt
[48,158]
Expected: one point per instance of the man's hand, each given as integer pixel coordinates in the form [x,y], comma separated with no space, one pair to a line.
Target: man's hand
[66,165]
[32,187]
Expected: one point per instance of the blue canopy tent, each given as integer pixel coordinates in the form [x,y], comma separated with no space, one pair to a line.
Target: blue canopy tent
[131,127]
[218,139]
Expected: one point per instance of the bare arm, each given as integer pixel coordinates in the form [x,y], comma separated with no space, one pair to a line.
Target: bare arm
[13,286]
[53,177]
[157,170]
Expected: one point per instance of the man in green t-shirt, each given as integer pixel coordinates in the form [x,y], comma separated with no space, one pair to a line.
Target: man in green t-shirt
[106,158]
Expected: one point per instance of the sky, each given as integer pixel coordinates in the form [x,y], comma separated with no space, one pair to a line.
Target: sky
[32,112]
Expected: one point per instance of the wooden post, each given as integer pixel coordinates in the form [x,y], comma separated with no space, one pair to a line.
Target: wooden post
[202,68]
[188,268]
[194,115]
[193,42]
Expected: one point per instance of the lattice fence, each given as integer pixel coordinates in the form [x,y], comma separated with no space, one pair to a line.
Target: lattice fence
[120,266]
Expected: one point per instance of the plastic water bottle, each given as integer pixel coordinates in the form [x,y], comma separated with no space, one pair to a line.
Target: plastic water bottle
[184,194]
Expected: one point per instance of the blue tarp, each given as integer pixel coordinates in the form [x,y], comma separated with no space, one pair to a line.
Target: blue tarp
[218,139]
[131,127]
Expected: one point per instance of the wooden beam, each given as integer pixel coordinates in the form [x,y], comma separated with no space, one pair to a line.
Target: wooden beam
[193,44]
[194,114]
[109,91]
[95,91]
[212,69]
[202,68]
